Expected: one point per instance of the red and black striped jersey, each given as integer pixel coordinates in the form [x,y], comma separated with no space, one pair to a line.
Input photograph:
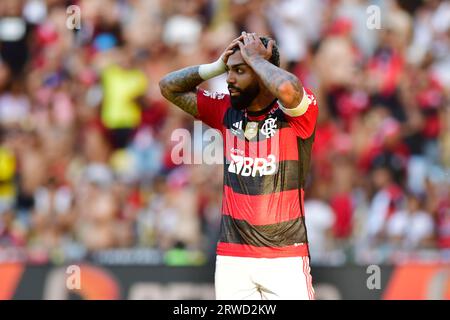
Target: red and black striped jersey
[265,169]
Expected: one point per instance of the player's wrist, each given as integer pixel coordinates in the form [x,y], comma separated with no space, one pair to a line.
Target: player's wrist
[211,70]
[254,59]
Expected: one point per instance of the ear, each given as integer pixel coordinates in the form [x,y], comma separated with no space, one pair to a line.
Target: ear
[270,46]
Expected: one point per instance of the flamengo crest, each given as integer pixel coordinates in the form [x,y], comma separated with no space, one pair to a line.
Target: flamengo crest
[269,126]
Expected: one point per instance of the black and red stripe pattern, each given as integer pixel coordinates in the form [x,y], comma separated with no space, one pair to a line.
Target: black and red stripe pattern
[264,176]
[262,214]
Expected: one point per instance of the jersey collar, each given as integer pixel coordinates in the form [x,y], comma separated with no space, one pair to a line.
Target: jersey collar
[262,111]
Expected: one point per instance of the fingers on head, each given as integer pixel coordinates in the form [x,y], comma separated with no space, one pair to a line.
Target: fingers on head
[247,37]
[232,45]
[235,41]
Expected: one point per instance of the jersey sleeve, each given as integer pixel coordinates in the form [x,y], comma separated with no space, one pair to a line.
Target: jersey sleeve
[211,108]
[304,117]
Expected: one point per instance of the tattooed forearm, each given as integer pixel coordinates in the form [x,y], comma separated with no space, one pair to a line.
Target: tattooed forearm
[179,87]
[283,85]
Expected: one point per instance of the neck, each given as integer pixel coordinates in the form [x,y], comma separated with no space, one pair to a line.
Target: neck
[261,101]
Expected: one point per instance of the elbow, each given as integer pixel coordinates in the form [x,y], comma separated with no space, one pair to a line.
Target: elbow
[290,93]
[163,86]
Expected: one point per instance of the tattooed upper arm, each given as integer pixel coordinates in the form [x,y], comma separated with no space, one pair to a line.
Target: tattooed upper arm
[186,101]
[179,87]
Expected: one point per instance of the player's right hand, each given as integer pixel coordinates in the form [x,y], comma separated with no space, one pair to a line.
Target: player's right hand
[229,50]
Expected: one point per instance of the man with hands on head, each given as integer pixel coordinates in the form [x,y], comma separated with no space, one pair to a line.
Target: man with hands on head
[268,124]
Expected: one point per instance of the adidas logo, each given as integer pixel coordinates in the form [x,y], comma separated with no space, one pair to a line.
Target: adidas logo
[238,125]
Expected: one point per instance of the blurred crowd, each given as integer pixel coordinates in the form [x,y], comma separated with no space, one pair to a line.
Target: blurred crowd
[85,135]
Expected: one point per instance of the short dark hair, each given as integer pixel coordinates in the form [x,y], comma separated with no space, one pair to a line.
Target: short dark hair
[275,58]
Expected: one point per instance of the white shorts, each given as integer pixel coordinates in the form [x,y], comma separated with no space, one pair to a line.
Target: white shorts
[241,278]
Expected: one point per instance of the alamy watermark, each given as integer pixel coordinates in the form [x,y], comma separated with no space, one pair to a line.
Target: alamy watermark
[73,280]
[373,17]
[73,20]
[254,157]
[374,280]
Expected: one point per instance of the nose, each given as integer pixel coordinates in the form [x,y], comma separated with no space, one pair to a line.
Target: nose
[230,78]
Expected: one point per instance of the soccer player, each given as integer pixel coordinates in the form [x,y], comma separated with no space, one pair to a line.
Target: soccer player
[268,123]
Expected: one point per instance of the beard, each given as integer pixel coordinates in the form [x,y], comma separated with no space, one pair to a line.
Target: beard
[245,97]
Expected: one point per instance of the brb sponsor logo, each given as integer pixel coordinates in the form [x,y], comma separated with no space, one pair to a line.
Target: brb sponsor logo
[247,166]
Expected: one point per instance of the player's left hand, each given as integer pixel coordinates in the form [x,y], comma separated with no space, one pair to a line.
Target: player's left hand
[252,47]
